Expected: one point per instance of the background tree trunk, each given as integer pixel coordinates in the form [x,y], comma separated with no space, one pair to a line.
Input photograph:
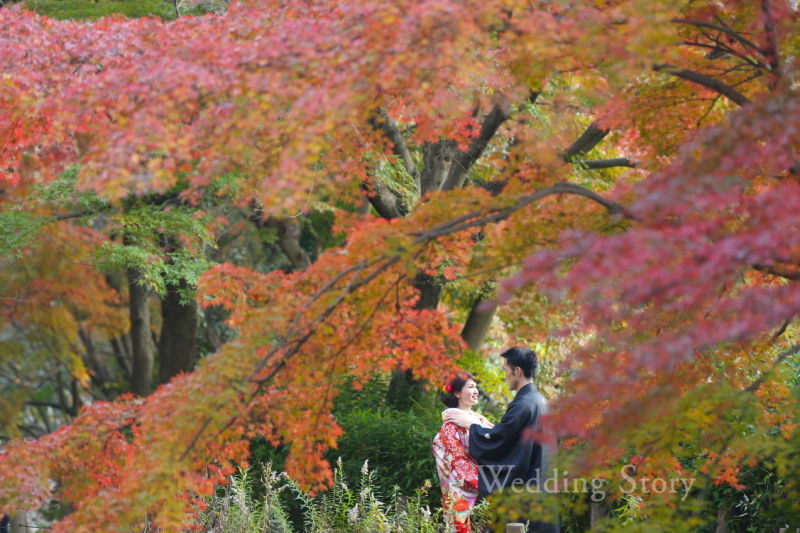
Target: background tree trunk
[403,385]
[438,159]
[121,346]
[142,371]
[289,241]
[598,511]
[99,373]
[430,291]
[177,344]
[19,523]
[477,325]
[723,513]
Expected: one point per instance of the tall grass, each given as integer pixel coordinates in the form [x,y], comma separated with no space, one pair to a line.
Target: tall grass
[362,509]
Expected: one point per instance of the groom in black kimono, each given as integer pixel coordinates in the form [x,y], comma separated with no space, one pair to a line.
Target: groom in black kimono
[508,456]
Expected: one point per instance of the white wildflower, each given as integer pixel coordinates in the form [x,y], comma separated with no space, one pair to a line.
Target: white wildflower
[426,513]
[352,514]
[365,468]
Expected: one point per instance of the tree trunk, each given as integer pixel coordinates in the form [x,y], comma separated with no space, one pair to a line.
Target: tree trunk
[430,291]
[598,510]
[478,322]
[142,371]
[403,385]
[438,159]
[122,347]
[723,513]
[364,207]
[177,346]
[75,392]
[19,522]
[289,241]
[387,203]
[122,353]
[98,372]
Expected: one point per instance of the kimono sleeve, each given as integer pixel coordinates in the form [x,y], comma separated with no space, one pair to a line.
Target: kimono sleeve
[488,445]
[462,466]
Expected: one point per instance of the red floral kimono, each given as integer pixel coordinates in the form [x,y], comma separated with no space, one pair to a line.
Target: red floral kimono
[458,473]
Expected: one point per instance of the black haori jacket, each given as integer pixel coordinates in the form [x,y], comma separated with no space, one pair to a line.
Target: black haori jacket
[507,452]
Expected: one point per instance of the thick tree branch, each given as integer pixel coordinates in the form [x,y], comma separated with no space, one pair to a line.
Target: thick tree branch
[779,271]
[386,202]
[67,216]
[439,159]
[477,325]
[781,330]
[771,52]
[289,241]
[400,148]
[481,218]
[706,81]
[288,231]
[588,140]
[37,403]
[464,160]
[596,164]
[724,29]
[720,49]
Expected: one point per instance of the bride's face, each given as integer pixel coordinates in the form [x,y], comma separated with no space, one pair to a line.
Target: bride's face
[468,395]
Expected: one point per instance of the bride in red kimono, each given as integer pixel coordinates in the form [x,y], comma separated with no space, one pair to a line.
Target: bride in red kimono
[458,472]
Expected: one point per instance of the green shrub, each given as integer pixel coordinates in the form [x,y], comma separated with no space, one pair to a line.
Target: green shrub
[397,444]
[91,9]
[88,9]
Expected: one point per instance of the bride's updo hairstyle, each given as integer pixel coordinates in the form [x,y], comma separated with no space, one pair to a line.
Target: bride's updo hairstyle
[448,392]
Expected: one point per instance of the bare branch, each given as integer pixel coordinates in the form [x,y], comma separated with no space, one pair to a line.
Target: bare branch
[480,218]
[724,29]
[16,300]
[706,81]
[596,164]
[37,403]
[719,49]
[67,216]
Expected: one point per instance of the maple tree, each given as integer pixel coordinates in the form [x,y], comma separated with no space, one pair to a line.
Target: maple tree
[629,167]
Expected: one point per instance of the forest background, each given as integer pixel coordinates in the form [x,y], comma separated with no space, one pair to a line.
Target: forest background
[302,215]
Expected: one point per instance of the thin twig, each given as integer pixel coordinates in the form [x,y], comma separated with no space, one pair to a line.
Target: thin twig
[723,29]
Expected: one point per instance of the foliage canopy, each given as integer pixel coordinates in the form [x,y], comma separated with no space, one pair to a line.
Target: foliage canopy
[627,168]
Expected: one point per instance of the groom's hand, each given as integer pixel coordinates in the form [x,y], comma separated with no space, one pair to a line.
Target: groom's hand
[461,418]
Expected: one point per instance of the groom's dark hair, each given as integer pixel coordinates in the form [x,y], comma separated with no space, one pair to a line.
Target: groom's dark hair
[523,358]
[456,385]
